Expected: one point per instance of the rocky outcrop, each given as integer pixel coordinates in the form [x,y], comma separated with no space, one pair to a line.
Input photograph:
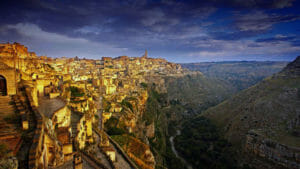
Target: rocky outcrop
[293,68]
[150,130]
[11,163]
[280,154]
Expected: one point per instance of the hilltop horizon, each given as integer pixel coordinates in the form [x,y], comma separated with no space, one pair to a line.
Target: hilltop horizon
[195,62]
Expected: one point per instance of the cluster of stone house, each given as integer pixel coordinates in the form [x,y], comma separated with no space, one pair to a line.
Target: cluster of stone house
[93,89]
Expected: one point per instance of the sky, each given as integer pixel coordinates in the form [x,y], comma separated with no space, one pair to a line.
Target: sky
[181,31]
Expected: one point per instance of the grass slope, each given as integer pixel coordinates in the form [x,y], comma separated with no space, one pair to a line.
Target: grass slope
[272,107]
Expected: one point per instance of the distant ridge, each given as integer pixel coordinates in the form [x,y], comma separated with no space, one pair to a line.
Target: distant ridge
[240,74]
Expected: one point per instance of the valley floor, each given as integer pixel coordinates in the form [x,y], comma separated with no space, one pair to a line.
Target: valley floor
[178,132]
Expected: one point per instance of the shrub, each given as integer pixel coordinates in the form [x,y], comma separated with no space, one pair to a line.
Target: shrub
[115,131]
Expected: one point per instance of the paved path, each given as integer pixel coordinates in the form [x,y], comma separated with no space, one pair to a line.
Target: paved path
[88,163]
[67,165]
[49,106]
[99,154]
[120,163]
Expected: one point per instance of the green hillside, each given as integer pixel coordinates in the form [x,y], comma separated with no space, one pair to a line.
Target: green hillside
[272,107]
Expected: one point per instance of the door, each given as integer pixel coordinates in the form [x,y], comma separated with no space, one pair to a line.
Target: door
[3,91]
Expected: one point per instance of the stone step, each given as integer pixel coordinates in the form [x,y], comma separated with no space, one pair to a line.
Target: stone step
[5,102]
[11,136]
[7,98]
[7,132]
[11,131]
[8,107]
[7,128]
[4,117]
[4,106]
[10,110]
[6,111]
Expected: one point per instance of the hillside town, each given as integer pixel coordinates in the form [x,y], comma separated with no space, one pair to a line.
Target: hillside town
[53,110]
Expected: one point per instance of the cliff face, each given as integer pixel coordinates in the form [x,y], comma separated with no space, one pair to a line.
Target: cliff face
[284,155]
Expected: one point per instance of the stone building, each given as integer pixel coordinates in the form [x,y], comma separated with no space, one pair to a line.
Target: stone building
[7,80]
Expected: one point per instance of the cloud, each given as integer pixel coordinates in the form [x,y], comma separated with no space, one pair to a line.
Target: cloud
[57,45]
[277,38]
[238,4]
[259,21]
[261,4]
[212,49]
[168,28]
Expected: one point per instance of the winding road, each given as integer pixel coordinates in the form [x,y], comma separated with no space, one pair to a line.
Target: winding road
[189,166]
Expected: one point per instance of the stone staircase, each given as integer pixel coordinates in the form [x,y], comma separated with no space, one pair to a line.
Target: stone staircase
[5,105]
[9,134]
[75,118]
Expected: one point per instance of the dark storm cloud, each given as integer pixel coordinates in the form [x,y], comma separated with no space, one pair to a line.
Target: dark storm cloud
[157,15]
[154,14]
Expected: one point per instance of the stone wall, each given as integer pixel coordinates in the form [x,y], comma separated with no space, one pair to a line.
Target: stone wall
[9,75]
[36,146]
[40,154]
[62,117]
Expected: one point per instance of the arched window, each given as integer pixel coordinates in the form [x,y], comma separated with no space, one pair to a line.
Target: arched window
[3,87]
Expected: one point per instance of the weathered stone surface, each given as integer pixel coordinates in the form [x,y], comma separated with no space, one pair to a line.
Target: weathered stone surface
[150,131]
[269,149]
